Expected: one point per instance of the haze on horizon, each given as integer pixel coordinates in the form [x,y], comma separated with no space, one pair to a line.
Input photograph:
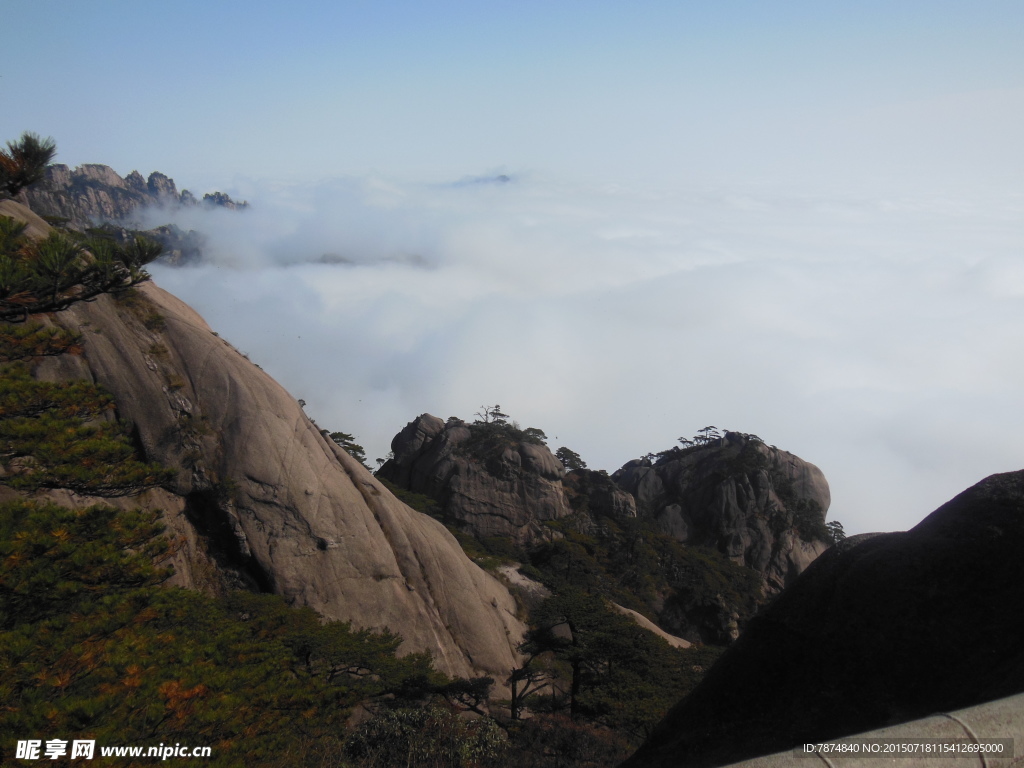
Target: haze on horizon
[794,219]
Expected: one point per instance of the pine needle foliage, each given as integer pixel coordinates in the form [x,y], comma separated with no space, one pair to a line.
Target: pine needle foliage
[620,675]
[60,434]
[426,737]
[492,433]
[629,561]
[92,646]
[25,341]
[51,274]
[24,162]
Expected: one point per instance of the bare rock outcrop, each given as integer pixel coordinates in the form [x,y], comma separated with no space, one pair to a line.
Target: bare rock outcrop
[763,507]
[500,487]
[882,629]
[262,498]
[94,194]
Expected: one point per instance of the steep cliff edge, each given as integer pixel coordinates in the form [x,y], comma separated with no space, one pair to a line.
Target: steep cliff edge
[262,497]
[882,629]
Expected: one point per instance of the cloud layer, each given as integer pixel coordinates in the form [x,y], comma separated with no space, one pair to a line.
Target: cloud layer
[877,338]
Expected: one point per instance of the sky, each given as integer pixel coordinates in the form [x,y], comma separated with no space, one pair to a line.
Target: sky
[803,220]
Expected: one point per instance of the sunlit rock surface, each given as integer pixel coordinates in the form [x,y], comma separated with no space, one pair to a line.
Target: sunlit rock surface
[262,499]
[510,493]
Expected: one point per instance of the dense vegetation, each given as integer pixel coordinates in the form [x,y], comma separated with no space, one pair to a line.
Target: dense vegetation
[92,646]
[627,560]
[593,681]
[51,274]
[607,669]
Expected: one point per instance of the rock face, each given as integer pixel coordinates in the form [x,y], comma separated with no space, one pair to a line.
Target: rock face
[763,507]
[508,491]
[263,499]
[882,629]
[598,494]
[94,194]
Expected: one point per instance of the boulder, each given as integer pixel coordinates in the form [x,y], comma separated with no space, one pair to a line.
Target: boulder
[763,507]
[501,490]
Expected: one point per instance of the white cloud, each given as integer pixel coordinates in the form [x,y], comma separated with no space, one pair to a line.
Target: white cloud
[877,338]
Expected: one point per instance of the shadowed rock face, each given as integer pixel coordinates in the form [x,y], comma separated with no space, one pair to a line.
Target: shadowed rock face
[263,499]
[881,629]
[761,506]
[510,493]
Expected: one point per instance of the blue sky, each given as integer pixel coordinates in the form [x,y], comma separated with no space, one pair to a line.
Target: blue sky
[653,91]
[797,219]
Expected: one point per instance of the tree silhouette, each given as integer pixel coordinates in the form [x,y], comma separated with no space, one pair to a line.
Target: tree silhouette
[489,414]
[52,274]
[24,162]
[570,459]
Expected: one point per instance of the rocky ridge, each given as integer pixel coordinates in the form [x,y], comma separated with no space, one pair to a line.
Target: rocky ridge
[762,507]
[92,195]
[262,498]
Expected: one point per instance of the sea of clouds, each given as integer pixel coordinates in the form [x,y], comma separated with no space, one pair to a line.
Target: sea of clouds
[879,338]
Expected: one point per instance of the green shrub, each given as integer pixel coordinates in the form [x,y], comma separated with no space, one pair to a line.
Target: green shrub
[418,501]
[94,647]
[51,274]
[52,436]
[430,737]
[25,341]
[58,434]
[620,675]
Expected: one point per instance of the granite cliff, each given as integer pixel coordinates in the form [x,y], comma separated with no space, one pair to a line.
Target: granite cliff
[509,488]
[759,510]
[261,498]
[762,507]
[95,195]
[882,629]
